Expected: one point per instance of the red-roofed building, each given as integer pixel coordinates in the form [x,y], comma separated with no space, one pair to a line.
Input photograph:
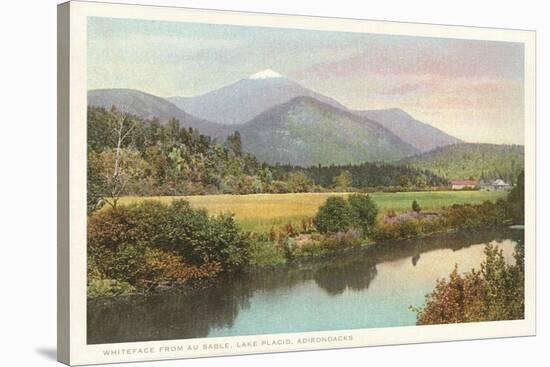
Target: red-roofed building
[463,184]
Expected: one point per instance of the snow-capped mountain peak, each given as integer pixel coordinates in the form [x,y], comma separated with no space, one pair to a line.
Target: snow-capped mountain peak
[265,74]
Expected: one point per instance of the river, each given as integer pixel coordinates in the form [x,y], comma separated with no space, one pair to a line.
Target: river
[361,288]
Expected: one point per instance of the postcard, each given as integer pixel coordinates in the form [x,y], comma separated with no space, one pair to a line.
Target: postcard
[236,183]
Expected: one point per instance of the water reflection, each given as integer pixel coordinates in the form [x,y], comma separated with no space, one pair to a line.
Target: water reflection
[260,301]
[336,278]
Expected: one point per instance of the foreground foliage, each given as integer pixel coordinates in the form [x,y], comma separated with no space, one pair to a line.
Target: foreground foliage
[149,243]
[496,292]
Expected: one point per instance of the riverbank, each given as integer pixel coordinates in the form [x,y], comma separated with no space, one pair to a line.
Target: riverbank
[401,247]
[362,287]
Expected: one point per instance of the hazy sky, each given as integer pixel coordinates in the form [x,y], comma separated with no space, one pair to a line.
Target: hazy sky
[470,89]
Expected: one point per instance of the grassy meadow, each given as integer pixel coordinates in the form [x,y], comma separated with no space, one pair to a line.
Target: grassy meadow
[259,212]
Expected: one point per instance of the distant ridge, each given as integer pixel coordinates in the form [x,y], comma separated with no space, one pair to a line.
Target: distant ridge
[422,136]
[148,106]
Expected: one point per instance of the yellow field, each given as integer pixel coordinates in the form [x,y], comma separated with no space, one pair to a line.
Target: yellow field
[259,212]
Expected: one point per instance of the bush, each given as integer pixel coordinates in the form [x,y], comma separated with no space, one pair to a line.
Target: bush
[398,229]
[338,215]
[310,248]
[317,245]
[365,211]
[265,252]
[154,241]
[125,263]
[335,215]
[515,209]
[341,240]
[108,288]
[165,266]
[415,206]
[496,292]
[475,216]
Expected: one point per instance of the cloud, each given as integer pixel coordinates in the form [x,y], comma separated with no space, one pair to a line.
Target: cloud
[437,57]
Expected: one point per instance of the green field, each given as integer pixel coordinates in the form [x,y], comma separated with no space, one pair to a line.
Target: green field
[259,212]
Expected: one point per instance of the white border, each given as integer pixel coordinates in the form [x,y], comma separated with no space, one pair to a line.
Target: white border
[81,353]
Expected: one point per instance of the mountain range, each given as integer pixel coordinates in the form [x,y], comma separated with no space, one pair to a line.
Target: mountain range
[247,98]
[148,106]
[281,121]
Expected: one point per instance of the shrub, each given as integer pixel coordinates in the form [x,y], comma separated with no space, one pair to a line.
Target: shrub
[108,288]
[515,209]
[307,225]
[317,245]
[474,216]
[341,240]
[287,245]
[496,292]
[404,228]
[365,211]
[125,263]
[309,248]
[165,266]
[456,300]
[289,230]
[335,215]
[415,206]
[123,243]
[264,252]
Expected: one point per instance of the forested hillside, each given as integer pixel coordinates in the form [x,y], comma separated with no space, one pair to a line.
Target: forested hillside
[305,131]
[471,160]
[128,155]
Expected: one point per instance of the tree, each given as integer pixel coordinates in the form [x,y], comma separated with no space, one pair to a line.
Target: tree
[107,187]
[365,211]
[172,131]
[113,160]
[403,181]
[516,200]
[335,215]
[123,125]
[496,292]
[415,206]
[234,143]
[344,180]
[299,182]
[518,192]
[95,185]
